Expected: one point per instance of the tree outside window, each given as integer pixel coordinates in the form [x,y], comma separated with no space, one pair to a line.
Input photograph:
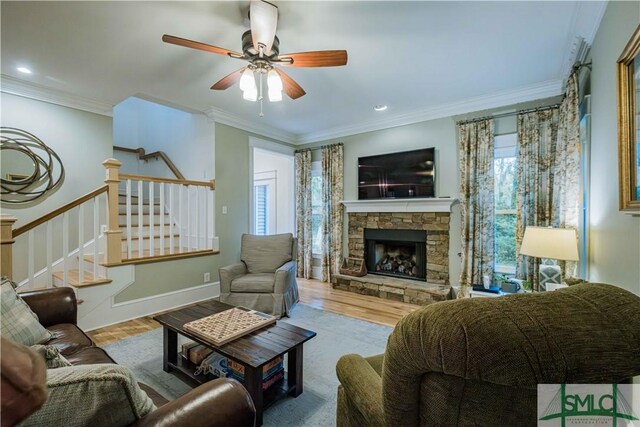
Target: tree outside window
[504,164]
[316,208]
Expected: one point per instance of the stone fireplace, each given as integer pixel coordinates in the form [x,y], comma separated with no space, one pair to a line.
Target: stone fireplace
[435,224]
[405,245]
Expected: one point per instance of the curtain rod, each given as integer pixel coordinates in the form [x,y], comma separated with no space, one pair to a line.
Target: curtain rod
[575,68]
[318,148]
[515,113]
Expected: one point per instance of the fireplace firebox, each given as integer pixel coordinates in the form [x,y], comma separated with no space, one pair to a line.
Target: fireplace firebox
[397,253]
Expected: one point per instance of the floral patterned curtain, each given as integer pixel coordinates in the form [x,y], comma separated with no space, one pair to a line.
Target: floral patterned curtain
[548,175]
[332,212]
[567,167]
[476,143]
[303,212]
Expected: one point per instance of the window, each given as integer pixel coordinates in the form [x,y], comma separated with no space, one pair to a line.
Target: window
[504,166]
[316,208]
[261,209]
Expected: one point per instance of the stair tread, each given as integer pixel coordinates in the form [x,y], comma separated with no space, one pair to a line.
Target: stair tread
[145,253]
[74,278]
[156,236]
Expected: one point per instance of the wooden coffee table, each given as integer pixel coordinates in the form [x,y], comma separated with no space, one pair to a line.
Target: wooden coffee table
[253,351]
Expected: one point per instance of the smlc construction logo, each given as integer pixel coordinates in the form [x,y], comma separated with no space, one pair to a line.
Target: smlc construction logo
[588,405]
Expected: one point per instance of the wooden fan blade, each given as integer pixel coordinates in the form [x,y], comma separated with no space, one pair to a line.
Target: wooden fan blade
[291,88]
[228,81]
[320,58]
[200,46]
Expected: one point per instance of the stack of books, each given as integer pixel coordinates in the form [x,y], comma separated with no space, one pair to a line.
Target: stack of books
[271,372]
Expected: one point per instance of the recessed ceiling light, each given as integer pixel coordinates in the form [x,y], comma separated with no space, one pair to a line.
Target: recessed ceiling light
[380,107]
[24,70]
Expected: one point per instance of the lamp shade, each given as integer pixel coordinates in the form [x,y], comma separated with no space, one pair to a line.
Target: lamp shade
[551,243]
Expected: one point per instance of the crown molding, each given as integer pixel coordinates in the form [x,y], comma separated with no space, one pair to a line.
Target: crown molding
[529,93]
[585,22]
[38,92]
[220,116]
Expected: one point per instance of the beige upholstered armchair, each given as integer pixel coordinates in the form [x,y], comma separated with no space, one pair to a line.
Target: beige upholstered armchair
[478,361]
[265,279]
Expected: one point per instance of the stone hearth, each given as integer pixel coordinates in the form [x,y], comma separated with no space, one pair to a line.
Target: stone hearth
[395,289]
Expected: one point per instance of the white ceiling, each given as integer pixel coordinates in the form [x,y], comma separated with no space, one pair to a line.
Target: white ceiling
[422,59]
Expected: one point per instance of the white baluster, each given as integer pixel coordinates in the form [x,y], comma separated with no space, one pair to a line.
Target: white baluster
[171,218]
[65,248]
[96,234]
[81,243]
[188,219]
[206,218]
[128,211]
[161,218]
[197,218]
[180,220]
[151,213]
[49,245]
[31,258]
[140,220]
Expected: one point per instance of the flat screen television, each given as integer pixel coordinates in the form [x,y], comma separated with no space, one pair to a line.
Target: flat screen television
[397,175]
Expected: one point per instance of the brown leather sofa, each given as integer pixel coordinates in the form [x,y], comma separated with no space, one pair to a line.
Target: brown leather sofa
[222,402]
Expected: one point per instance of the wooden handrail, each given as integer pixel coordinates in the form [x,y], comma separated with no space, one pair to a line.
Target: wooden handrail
[143,156]
[77,202]
[211,184]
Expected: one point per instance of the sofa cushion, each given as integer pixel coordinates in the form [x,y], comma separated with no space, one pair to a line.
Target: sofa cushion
[68,338]
[91,395]
[89,356]
[18,323]
[155,397]
[265,254]
[254,283]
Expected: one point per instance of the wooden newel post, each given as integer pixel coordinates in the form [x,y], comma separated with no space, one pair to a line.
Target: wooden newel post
[113,254]
[6,242]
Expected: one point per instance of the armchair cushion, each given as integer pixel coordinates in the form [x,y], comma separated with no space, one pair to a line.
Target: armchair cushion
[254,283]
[18,322]
[265,254]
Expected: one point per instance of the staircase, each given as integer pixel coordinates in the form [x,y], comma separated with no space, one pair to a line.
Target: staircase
[132,219]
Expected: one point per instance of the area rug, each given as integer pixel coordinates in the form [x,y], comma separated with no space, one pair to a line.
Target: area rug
[316,406]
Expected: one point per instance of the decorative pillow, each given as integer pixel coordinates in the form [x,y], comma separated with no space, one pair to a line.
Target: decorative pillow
[265,254]
[17,322]
[91,395]
[51,356]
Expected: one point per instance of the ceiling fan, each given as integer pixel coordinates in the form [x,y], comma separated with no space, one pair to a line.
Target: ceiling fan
[260,47]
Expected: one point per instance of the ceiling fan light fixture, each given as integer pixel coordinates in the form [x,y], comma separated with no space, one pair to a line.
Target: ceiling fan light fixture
[274,81]
[275,95]
[248,81]
[250,94]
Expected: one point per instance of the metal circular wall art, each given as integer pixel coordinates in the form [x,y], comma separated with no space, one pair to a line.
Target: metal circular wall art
[29,167]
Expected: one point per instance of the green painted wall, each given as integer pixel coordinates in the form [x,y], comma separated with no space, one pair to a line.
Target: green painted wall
[615,237]
[161,277]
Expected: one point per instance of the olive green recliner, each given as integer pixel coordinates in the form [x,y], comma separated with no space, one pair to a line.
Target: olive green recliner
[478,361]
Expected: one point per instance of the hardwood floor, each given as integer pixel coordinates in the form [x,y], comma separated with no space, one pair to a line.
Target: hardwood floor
[312,292]
[372,309]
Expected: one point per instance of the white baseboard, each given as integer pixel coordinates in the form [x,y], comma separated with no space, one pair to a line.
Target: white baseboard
[109,313]
[316,273]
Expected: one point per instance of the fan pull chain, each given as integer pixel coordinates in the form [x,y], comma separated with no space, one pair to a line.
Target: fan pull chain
[260,97]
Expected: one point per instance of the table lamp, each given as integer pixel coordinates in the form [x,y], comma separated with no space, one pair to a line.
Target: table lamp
[550,244]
